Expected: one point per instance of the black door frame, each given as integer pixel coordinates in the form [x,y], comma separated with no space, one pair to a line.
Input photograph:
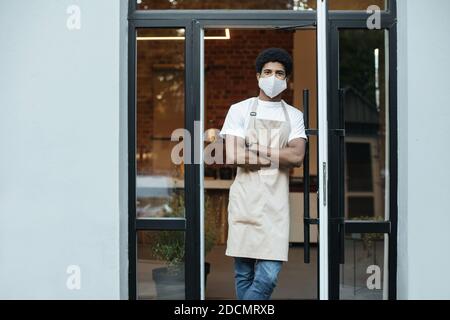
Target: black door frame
[192,200]
[338,227]
[193,21]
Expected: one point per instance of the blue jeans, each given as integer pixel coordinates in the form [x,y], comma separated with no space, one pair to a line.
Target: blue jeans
[255,279]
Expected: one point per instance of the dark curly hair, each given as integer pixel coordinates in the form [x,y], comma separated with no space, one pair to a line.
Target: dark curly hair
[274,55]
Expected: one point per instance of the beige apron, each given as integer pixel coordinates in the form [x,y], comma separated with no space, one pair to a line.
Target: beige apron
[258,207]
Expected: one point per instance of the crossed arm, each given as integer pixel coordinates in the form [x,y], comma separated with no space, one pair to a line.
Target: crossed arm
[257,156]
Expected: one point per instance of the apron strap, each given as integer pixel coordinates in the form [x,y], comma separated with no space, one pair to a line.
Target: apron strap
[254,108]
[253,113]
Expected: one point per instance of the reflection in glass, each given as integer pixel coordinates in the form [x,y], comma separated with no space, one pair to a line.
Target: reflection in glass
[160,265]
[358,167]
[363,77]
[362,275]
[226,4]
[360,5]
[160,111]
[258,4]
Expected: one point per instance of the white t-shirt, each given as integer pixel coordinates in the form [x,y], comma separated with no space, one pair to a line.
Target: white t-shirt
[237,119]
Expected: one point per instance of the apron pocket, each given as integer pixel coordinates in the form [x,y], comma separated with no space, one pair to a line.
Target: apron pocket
[245,206]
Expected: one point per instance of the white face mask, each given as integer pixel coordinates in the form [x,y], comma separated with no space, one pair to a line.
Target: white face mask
[272,86]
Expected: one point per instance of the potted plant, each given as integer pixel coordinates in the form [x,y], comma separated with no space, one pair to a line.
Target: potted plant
[169,246]
[210,228]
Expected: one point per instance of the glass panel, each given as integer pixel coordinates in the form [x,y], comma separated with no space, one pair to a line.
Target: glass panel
[357,4]
[362,275]
[226,4]
[258,4]
[363,74]
[230,77]
[359,167]
[160,111]
[360,207]
[160,265]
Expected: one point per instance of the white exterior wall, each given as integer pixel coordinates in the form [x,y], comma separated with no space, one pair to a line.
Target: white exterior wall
[424,149]
[63,164]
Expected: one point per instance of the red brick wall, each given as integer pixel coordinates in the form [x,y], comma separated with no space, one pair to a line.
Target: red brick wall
[230,69]
[150,55]
[230,76]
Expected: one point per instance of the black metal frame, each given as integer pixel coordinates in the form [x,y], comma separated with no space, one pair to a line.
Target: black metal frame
[338,227]
[193,21]
[191,222]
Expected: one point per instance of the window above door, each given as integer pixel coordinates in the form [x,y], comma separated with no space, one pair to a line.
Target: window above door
[358,5]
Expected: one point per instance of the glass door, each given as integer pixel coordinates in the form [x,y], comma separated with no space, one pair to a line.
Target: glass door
[173,96]
[228,60]
[362,116]
[227,49]
[164,192]
[186,68]
[177,62]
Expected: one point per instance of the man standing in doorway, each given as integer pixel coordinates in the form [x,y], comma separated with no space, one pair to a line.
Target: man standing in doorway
[265,137]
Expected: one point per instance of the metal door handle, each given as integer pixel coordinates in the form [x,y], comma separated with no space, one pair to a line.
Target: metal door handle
[341,175]
[307,221]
